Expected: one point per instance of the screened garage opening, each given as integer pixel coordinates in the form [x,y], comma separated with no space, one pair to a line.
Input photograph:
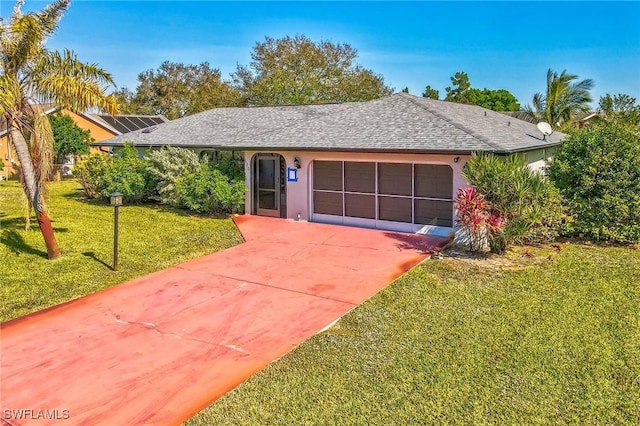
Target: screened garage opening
[396,196]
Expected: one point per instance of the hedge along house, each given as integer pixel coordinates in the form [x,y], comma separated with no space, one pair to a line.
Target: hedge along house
[393,163]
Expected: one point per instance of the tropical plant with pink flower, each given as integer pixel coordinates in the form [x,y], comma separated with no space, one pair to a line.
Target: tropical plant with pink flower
[482,226]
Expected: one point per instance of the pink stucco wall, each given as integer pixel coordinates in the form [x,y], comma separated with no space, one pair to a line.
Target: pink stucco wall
[298,193]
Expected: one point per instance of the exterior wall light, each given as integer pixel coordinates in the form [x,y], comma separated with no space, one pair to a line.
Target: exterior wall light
[456,159]
[296,162]
[115,199]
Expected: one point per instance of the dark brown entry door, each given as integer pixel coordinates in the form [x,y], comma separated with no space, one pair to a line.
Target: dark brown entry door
[268,186]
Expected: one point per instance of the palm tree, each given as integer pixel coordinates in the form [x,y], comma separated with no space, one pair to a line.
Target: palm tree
[563,99]
[30,76]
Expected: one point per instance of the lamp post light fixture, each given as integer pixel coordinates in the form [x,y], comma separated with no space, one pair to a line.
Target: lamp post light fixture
[115,199]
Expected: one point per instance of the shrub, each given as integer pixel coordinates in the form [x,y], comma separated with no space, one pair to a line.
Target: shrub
[100,175]
[164,167]
[90,173]
[128,175]
[526,199]
[171,175]
[210,191]
[227,164]
[597,170]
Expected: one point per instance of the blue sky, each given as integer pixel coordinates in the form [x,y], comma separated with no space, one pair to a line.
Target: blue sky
[506,45]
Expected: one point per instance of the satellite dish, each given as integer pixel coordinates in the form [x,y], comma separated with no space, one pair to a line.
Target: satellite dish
[545,128]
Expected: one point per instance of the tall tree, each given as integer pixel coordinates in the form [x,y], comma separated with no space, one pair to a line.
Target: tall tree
[493,99]
[299,71]
[31,75]
[176,90]
[620,107]
[461,84]
[496,100]
[124,98]
[431,93]
[563,98]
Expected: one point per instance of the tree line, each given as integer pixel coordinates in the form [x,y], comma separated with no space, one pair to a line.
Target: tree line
[461,91]
[285,71]
[297,70]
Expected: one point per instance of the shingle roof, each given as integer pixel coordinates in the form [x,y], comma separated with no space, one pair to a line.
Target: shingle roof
[396,123]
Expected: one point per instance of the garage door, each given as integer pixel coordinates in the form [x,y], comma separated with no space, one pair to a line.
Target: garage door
[398,196]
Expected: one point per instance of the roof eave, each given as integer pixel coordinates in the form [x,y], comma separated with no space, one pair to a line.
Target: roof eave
[337,149]
[527,148]
[301,148]
[359,150]
[100,123]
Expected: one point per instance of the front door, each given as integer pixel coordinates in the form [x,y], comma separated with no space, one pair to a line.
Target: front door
[268,186]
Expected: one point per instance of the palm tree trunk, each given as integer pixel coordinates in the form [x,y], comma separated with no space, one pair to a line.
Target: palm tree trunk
[33,191]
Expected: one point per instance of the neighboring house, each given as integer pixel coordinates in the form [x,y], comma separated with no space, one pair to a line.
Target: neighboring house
[104,126]
[580,120]
[7,154]
[584,119]
[11,166]
[100,126]
[392,163]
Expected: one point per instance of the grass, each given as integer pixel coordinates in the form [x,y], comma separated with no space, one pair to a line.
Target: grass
[151,238]
[535,341]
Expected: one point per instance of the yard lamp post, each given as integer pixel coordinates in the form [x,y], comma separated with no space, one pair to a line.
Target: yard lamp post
[116,201]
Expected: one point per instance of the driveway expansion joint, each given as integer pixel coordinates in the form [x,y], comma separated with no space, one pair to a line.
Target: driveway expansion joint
[155,327]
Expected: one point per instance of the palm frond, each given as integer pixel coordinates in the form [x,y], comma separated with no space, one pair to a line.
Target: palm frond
[10,95]
[51,14]
[527,114]
[539,103]
[551,76]
[17,9]
[41,149]
[584,85]
[71,84]
[21,43]
[563,99]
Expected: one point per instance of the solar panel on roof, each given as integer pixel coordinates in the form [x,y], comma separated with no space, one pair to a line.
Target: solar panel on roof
[130,123]
[121,125]
[148,121]
[137,123]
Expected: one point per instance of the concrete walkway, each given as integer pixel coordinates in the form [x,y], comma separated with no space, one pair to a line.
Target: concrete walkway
[158,349]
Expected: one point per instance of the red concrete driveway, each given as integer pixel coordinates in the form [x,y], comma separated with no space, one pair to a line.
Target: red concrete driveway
[158,349]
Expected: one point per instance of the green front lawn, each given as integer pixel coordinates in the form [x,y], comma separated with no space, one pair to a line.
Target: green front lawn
[529,341]
[151,238]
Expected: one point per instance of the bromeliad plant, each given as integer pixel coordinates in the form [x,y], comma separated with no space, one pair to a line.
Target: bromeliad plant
[482,227]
